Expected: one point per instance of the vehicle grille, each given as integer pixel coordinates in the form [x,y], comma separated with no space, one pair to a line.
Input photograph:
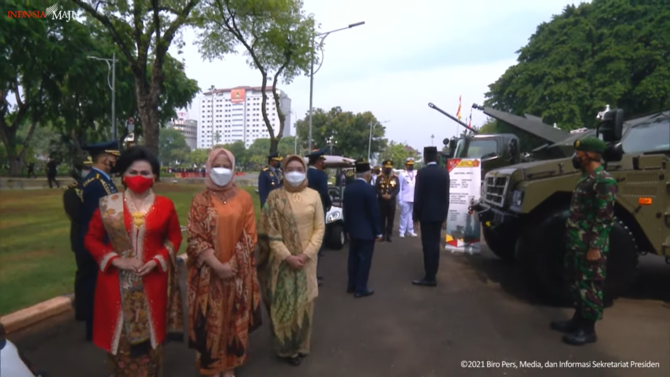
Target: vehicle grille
[495,190]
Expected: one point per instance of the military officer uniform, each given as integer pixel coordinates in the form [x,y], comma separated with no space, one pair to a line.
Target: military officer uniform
[387,184]
[407,181]
[270,177]
[588,228]
[317,180]
[95,185]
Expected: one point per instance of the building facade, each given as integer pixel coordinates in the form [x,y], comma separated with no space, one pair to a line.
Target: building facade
[187,127]
[230,115]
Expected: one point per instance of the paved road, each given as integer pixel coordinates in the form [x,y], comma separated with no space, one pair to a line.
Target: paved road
[478,312]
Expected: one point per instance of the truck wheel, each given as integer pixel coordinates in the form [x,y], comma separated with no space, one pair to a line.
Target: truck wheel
[541,251]
[501,246]
[622,261]
[336,237]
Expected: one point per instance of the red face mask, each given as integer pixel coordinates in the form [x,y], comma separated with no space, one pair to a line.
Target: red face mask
[138,183]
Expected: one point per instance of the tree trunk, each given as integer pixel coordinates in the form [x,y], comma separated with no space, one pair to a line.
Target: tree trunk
[148,110]
[274,144]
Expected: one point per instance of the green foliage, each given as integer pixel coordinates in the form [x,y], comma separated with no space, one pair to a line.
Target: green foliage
[173,148]
[276,36]
[613,52]
[197,158]
[143,32]
[398,153]
[350,132]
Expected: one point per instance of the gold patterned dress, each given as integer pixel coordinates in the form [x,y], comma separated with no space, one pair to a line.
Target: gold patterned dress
[291,223]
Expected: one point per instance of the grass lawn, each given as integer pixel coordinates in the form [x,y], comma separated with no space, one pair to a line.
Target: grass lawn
[36,262]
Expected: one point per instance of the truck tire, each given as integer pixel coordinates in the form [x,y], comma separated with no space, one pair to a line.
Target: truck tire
[503,247]
[336,237]
[540,254]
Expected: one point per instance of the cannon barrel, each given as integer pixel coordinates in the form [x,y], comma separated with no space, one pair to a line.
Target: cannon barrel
[432,106]
[528,123]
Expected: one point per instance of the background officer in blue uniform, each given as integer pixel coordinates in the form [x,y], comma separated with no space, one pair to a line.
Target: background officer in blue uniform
[72,201]
[317,179]
[363,225]
[270,177]
[97,184]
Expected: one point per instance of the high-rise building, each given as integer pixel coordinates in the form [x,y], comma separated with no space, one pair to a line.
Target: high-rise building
[229,115]
[187,127]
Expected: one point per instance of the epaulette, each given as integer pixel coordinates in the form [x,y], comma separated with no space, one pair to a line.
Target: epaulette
[90,180]
[266,168]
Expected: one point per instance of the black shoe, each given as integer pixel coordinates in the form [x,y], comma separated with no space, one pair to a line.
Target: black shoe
[388,239]
[295,360]
[319,281]
[351,290]
[367,293]
[425,283]
[580,337]
[568,326]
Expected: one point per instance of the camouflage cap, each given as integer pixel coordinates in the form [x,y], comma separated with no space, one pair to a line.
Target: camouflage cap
[590,144]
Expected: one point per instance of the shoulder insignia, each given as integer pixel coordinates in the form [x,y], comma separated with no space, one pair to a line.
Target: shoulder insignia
[97,176]
[88,181]
[266,168]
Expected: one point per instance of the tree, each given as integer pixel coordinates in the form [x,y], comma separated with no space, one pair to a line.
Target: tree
[398,153]
[197,157]
[276,36]
[350,131]
[257,154]
[604,52]
[239,151]
[34,62]
[173,148]
[139,30]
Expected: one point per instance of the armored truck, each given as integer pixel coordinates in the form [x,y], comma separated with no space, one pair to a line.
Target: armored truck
[523,207]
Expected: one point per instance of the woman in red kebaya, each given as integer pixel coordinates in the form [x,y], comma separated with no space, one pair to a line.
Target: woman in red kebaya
[134,237]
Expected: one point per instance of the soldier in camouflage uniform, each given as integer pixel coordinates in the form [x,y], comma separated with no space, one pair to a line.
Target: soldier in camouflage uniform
[587,235]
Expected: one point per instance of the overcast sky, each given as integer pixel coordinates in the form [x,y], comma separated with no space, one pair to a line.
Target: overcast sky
[402,58]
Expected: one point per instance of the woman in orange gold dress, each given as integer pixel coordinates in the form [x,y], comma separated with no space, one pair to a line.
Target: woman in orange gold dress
[134,236]
[223,297]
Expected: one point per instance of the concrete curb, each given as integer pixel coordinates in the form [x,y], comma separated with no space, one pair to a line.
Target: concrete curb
[32,315]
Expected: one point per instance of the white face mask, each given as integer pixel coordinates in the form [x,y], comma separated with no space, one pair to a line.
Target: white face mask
[295,178]
[221,176]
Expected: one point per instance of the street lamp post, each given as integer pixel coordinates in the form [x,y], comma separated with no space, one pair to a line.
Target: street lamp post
[370,139]
[311,74]
[432,143]
[112,86]
[330,144]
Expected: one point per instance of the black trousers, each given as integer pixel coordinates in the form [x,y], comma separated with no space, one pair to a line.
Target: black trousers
[52,180]
[84,289]
[360,261]
[387,212]
[430,240]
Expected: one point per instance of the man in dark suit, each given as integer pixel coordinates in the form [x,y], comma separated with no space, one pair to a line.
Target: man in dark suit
[97,184]
[361,222]
[431,204]
[270,177]
[317,179]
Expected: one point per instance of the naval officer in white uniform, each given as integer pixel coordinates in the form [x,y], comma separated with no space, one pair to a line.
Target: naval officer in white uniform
[406,198]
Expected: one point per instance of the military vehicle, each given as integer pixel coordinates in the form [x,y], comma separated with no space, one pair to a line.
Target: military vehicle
[498,150]
[523,207]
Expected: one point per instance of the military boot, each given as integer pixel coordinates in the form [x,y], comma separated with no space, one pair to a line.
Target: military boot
[586,333]
[567,326]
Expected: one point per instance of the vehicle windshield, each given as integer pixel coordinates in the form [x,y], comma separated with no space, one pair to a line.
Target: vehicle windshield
[648,137]
[477,148]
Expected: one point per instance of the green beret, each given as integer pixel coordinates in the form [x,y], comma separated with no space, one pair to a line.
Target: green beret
[590,144]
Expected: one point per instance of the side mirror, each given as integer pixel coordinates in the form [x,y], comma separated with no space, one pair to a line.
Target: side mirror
[611,126]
